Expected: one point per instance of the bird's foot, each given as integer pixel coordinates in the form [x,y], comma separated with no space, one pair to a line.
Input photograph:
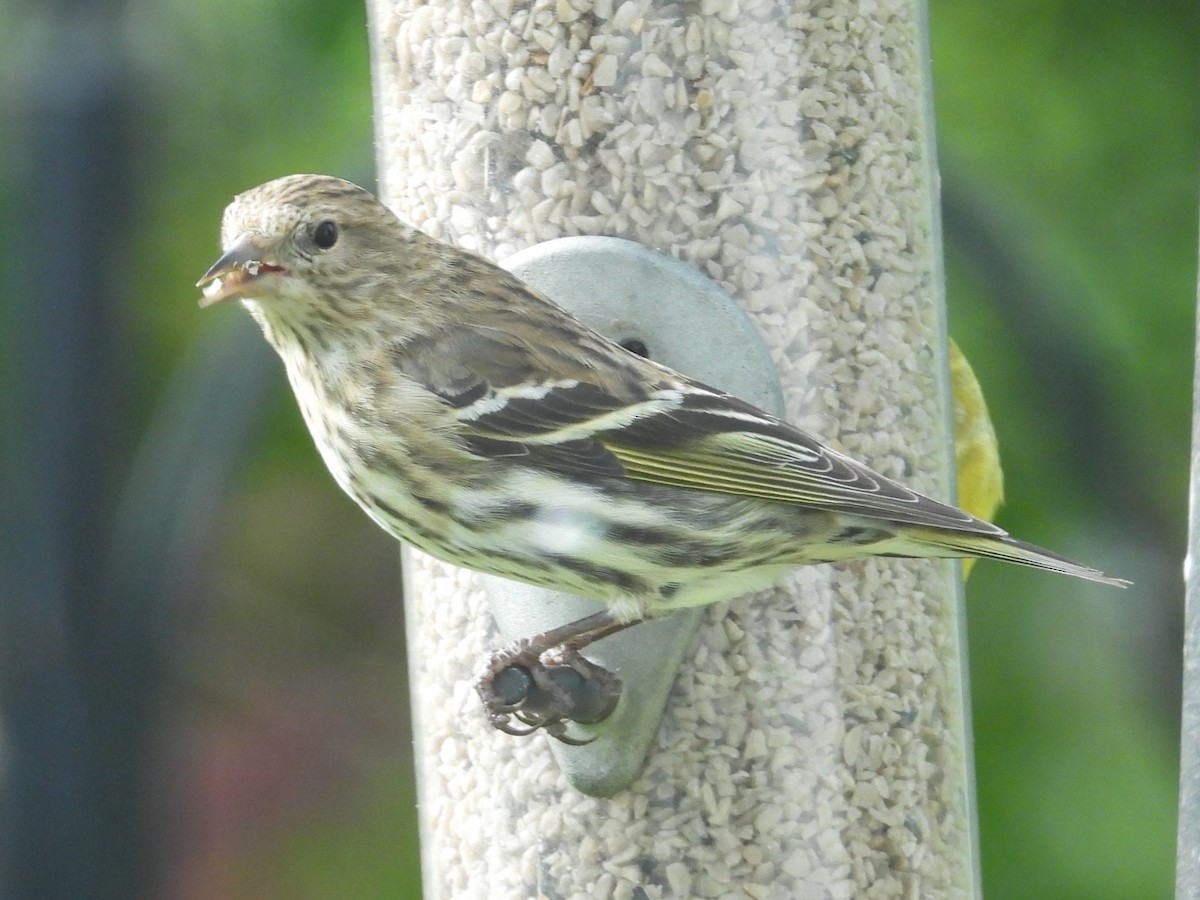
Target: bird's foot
[529,686]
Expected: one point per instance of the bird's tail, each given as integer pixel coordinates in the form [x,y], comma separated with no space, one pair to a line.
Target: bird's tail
[1007,549]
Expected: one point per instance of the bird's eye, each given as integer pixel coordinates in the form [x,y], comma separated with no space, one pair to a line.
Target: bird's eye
[325,235]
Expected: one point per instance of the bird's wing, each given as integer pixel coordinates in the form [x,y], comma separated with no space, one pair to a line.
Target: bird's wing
[600,414]
[520,398]
[715,442]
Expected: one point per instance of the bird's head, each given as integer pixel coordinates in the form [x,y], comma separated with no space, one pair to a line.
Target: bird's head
[297,243]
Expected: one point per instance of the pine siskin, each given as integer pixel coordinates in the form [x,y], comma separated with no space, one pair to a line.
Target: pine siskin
[473,418]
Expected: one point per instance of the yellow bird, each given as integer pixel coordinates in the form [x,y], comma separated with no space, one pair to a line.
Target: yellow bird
[976,451]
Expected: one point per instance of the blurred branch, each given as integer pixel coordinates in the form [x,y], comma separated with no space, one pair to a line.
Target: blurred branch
[163,525]
[1060,357]
[1055,350]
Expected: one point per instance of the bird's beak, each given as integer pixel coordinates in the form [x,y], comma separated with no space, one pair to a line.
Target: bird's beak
[236,272]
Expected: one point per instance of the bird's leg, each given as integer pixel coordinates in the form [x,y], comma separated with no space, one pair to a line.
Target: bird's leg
[544,682]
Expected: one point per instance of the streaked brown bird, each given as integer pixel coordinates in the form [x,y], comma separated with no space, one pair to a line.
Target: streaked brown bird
[473,418]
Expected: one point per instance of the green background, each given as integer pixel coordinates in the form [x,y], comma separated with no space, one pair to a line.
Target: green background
[1067,134]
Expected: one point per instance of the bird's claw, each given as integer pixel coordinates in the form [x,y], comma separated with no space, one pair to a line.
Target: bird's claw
[525,688]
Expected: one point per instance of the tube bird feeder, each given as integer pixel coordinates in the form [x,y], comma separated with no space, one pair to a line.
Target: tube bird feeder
[816,739]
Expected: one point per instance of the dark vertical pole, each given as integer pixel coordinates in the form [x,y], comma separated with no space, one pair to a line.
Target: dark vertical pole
[68,798]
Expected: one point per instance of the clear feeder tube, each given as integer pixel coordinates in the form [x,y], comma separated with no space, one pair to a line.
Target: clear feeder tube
[816,743]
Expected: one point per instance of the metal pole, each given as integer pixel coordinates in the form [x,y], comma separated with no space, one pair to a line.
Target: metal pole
[816,742]
[1187,875]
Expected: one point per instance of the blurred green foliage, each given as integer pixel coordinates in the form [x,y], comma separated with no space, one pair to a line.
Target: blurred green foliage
[1068,136]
